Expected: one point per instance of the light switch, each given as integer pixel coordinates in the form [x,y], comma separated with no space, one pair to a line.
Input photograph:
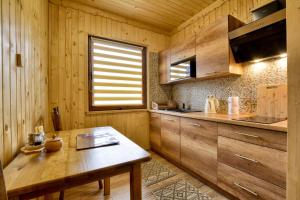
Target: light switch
[19,60]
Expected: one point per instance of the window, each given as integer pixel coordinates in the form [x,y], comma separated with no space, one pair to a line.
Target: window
[117,75]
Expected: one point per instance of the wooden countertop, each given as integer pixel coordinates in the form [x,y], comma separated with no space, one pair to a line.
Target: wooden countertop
[228,119]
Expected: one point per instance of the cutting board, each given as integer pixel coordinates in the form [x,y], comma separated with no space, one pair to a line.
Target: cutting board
[272,101]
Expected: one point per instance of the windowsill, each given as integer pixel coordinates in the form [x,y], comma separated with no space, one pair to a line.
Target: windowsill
[115,111]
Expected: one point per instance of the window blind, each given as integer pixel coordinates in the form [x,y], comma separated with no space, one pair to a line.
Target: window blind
[116,73]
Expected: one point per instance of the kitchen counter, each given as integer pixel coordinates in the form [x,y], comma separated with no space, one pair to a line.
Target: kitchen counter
[228,119]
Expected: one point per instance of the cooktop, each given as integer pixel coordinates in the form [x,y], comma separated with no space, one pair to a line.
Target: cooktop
[261,119]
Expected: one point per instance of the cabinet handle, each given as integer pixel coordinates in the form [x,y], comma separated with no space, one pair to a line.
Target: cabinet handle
[198,125]
[171,120]
[246,158]
[248,135]
[209,73]
[246,189]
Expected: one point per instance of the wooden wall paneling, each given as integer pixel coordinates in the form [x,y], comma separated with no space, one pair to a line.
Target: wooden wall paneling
[27,63]
[75,69]
[293,50]
[86,92]
[93,25]
[68,73]
[233,4]
[62,64]
[37,64]
[53,59]
[101,120]
[23,89]
[114,29]
[138,131]
[18,76]
[81,68]
[74,24]
[6,81]
[97,24]
[1,91]
[13,76]
[44,61]
[108,28]
[32,66]
[22,74]
[44,64]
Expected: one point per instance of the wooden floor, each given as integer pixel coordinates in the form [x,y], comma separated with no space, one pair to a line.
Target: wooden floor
[120,187]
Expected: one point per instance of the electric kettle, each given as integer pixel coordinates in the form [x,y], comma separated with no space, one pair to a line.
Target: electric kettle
[211,104]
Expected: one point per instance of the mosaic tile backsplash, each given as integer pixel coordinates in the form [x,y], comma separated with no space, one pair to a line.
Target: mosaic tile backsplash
[268,72]
[158,93]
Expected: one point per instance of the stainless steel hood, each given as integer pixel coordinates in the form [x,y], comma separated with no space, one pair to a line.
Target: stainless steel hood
[260,39]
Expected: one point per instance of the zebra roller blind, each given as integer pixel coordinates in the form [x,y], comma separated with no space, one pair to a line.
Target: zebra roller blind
[117,75]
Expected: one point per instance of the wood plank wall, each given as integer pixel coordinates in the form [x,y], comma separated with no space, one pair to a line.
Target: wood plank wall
[293,48]
[23,90]
[237,8]
[69,27]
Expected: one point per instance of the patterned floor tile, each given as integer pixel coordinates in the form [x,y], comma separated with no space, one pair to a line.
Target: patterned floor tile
[180,190]
[154,172]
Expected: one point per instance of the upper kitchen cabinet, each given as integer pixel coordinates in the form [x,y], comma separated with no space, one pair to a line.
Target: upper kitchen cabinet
[184,49]
[213,53]
[164,60]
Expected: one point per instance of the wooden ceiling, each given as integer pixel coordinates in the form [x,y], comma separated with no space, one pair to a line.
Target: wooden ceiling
[164,14]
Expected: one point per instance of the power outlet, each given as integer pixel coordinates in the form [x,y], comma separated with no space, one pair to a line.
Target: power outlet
[19,60]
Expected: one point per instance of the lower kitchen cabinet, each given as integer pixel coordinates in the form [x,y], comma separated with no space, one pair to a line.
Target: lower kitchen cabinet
[199,147]
[262,162]
[249,163]
[245,186]
[155,138]
[170,137]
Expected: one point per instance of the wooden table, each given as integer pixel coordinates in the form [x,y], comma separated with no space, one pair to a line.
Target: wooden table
[29,176]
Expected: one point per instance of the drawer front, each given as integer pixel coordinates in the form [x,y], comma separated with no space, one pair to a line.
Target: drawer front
[155,140]
[262,162]
[170,137]
[267,138]
[199,147]
[247,187]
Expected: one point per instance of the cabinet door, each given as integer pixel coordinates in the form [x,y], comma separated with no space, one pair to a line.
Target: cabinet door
[213,53]
[155,140]
[170,137]
[185,49]
[212,49]
[164,66]
[199,147]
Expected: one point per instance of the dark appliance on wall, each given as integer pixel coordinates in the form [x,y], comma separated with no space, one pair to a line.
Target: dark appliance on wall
[263,38]
[183,70]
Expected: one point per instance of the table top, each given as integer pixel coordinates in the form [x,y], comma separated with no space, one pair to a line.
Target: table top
[27,171]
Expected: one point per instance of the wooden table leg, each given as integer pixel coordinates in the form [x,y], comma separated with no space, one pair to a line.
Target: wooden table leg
[136,182]
[62,195]
[106,186]
[100,184]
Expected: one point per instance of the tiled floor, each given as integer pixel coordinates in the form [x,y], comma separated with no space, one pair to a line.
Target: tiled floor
[120,186]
